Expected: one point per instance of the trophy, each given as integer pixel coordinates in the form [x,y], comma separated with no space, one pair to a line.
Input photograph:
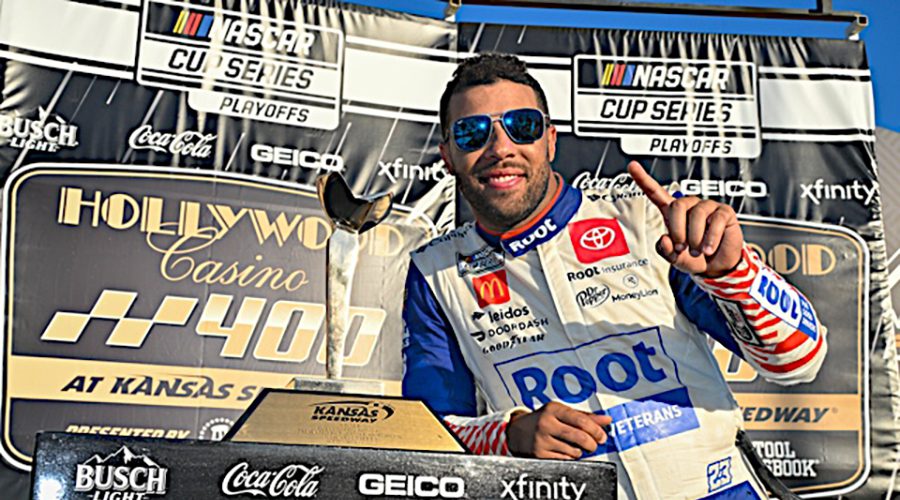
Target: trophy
[334,411]
[349,216]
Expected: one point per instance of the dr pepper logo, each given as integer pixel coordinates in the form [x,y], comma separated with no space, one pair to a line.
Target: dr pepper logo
[491,288]
[597,239]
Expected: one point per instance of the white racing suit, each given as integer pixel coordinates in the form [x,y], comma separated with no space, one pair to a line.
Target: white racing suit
[579,308]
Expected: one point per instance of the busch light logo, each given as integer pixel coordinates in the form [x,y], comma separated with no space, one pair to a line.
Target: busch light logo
[121,475]
[632,365]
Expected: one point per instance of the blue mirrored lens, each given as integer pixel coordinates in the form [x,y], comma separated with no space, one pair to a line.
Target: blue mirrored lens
[472,132]
[524,126]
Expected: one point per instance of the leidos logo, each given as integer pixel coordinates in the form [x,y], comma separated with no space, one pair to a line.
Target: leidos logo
[365,412]
[48,133]
[597,239]
[491,288]
[121,475]
[690,76]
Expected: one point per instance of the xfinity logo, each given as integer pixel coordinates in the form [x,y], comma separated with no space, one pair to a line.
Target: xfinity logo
[706,188]
[818,191]
[398,170]
[523,487]
[289,157]
[373,484]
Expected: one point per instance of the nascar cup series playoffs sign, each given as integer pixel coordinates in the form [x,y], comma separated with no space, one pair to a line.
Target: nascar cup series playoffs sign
[672,107]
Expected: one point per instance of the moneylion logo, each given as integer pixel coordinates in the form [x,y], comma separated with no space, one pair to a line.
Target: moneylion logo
[290,481]
[187,143]
[361,412]
[121,475]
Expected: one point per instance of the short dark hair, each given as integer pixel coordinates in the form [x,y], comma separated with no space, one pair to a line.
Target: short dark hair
[485,69]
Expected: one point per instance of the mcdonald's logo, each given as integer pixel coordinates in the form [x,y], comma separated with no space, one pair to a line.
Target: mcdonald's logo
[491,288]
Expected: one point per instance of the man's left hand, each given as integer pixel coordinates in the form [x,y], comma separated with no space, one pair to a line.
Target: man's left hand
[703,236]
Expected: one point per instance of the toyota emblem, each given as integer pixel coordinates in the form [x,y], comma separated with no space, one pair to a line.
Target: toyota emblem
[598,238]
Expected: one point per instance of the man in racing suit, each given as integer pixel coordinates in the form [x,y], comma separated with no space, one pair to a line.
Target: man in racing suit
[583,318]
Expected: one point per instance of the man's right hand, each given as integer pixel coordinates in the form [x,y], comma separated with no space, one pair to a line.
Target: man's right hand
[556,431]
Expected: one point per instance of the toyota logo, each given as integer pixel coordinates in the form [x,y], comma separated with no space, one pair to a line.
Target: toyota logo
[598,238]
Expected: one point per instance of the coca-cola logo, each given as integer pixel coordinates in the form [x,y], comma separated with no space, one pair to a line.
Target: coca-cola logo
[290,481]
[188,143]
[620,186]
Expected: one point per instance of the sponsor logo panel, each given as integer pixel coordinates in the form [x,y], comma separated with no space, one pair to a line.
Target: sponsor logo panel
[485,260]
[248,66]
[634,365]
[704,107]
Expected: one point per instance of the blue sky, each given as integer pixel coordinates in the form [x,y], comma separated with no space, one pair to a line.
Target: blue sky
[880,37]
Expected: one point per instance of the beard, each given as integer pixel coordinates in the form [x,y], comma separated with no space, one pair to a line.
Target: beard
[506,210]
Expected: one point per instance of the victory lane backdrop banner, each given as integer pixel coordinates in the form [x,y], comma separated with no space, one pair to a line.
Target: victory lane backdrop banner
[164,252]
[782,129]
[164,248]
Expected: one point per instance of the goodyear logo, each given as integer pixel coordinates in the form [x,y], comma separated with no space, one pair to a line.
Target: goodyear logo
[634,365]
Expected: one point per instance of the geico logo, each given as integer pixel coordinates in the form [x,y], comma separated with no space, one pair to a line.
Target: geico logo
[616,371]
[407,485]
[680,77]
[706,187]
[810,259]
[509,313]
[269,36]
[290,157]
[541,232]
[620,183]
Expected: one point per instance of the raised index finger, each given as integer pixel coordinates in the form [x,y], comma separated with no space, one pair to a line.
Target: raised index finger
[657,194]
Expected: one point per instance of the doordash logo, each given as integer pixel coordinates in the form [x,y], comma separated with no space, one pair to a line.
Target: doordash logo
[491,289]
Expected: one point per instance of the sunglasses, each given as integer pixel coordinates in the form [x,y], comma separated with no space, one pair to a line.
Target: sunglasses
[523,126]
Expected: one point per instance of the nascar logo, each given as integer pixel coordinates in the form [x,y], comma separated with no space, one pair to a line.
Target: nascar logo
[193,24]
[662,76]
